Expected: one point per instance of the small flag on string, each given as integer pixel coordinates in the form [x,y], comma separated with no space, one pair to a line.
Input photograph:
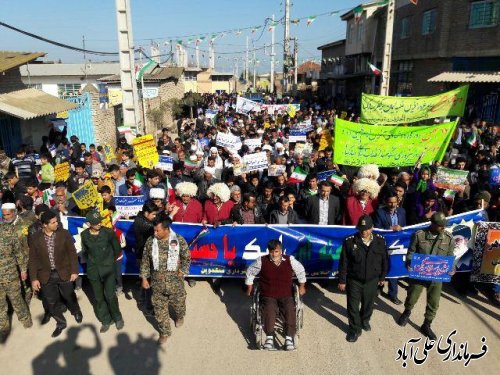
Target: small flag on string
[449,195]
[298,176]
[358,12]
[334,12]
[383,3]
[179,42]
[144,68]
[255,29]
[310,20]
[374,69]
[200,40]
[190,40]
[272,25]
[213,37]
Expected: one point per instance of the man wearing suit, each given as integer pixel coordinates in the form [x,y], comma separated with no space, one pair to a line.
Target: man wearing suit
[324,208]
[53,267]
[394,218]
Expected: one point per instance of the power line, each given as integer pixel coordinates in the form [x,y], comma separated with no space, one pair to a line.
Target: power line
[100,53]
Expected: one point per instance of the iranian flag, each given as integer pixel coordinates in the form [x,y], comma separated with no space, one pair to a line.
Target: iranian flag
[140,72]
[374,69]
[472,139]
[337,180]
[310,20]
[170,192]
[188,164]
[298,176]
[449,195]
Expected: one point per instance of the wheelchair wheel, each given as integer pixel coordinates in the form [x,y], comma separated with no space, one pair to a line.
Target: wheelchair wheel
[256,320]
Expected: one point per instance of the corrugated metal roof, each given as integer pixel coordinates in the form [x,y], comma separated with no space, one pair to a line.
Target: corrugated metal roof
[30,103]
[9,60]
[332,44]
[485,77]
[158,74]
[91,69]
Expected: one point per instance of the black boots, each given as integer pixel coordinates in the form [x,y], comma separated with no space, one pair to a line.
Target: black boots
[403,319]
[427,331]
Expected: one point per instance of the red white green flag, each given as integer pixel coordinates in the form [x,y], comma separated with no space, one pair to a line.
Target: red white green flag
[298,176]
[374,69]
[337,180]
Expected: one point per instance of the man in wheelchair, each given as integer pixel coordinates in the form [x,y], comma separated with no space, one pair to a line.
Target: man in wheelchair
[276,282]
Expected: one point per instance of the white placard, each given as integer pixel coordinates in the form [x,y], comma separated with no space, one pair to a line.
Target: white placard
[255,162]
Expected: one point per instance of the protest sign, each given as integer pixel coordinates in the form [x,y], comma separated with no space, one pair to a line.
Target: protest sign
[61,171]
[276,170]
[253,143]
[495,176]
[392,110]
[166,163]
[145,149]
[486,253]
[86,196]
[297,135]
[431,267]
[304,149]
[452,179]
[53,150]
[130,205]
[255,162]
[109,154]
[211,113]
[390,146]
[37,159]
[227,251]
[228,141]
[244,105]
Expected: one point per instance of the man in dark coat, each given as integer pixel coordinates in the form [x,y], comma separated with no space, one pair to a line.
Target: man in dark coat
[247,212]
[323,208]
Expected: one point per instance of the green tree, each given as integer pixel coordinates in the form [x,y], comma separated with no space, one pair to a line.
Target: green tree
[192,100]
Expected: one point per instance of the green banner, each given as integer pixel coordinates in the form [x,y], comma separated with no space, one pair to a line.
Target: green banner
[390,146]
[392,110]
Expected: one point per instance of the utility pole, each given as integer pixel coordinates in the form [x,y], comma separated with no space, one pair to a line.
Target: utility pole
[254,71]
[272,56]
[246,63]
[84,58]
[386,59]
[127,67]
[296,61]
[286,45]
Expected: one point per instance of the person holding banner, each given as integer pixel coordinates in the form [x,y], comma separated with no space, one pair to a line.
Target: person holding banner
[363,267]
[434,241]
[101,249]
[186,208]
[323,208]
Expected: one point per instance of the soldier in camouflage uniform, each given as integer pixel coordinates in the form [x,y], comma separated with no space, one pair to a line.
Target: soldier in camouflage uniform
[19,225]
[12,260]
[166,260]
[433,241]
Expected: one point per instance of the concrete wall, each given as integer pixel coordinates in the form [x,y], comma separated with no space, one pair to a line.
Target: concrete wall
[11,81]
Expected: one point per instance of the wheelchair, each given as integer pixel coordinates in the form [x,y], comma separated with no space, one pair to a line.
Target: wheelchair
[257,322]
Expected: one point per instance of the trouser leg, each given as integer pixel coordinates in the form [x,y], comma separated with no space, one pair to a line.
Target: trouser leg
[178,301]
[354,291]
[109,285]
[50,293]
[369,294]
[433,296]
[269,308]
[287,307]
[160,303]
[4,317]
[414,291]
[67,290]
[118,274]
[100,306]
[393,288]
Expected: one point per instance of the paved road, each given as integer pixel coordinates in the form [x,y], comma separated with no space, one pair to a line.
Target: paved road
[216,339]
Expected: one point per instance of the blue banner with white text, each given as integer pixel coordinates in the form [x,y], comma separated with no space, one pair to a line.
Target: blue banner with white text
[227,251]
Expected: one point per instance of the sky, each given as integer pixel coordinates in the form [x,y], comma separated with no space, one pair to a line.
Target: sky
[157,21]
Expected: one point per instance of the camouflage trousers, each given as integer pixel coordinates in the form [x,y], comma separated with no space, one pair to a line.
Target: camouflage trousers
[12,289]
[168,291]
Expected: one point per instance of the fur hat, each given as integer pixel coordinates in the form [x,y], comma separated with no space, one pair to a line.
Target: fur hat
[369,171]
[157,193]
[221,190]
[186,188]
[371,186]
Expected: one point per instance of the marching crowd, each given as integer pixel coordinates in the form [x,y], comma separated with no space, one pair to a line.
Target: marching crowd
[208,184]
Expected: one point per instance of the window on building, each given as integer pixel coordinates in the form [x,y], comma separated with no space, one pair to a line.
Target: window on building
[483,13]
[403,78]
[37,86]
[405,28]
[190,76]
[360,30]
[68,89]
[429,22]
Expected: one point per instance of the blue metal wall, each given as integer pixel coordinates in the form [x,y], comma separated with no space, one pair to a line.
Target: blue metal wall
[79,120]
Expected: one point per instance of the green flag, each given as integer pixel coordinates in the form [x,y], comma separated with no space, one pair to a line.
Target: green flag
[392,110]
[144,68]
[389,146]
